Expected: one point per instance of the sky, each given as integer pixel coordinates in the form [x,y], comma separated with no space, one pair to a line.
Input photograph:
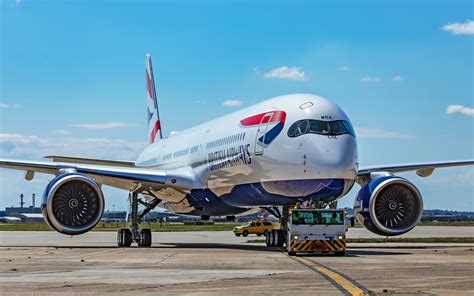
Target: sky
[72,78]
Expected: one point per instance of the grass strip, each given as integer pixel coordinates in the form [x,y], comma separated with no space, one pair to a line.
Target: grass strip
[113,226]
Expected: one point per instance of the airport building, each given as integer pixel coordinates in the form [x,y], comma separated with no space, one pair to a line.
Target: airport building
[12,211]
[114,216]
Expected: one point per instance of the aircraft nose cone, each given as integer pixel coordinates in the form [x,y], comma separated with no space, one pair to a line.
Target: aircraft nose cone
[335,156]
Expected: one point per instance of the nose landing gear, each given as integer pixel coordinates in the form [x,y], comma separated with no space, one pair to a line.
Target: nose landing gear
[277,237]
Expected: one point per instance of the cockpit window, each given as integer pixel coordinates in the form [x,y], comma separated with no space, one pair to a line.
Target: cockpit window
[349,127]
[303,126]
[327,128]
[319,127]
[337,128]
[298,128]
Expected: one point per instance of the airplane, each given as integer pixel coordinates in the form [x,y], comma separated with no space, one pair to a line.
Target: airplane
[286,150]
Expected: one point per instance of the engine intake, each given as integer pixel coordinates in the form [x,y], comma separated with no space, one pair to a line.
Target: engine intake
[389,205]
[72,204]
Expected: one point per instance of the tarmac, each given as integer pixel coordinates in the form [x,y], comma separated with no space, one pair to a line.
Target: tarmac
[218,263]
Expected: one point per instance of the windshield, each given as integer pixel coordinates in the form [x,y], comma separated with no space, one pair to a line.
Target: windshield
[317,217]
[319,127]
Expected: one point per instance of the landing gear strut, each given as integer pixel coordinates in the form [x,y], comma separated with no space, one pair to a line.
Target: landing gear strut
[142,237]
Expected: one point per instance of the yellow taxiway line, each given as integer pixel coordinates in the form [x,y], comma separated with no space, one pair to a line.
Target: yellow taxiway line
[340,282]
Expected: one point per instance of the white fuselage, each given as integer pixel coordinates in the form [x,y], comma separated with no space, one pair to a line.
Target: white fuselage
[247,158]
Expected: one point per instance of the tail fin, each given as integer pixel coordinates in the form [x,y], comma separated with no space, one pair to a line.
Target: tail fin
[154,126]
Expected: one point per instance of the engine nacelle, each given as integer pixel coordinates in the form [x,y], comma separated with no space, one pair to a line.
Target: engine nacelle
[389,205]
[72,203]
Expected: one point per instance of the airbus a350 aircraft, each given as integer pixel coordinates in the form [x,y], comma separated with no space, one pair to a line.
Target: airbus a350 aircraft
[282,151]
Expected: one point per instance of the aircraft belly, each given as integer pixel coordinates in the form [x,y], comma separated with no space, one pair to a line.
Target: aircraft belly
[241,198]
[286,192]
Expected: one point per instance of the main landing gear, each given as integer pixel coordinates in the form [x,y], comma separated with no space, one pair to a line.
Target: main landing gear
[126,236]
[277,237]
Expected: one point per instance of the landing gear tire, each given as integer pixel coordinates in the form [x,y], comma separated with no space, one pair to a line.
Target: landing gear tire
[237,234]
[272,239]
[291,253]
[245,233]
[340,253]
[280,238]
[145,238]
[124,238]
[275,238]
[259,234]
[268,238]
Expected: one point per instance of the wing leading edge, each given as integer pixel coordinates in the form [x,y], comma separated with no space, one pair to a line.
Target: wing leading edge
[69,159]
[422,169]
[127,178]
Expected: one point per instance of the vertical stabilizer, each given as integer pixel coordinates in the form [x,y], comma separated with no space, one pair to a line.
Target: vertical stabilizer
[154,125]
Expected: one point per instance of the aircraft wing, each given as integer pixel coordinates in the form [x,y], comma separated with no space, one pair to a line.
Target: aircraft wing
[69,159]
[127,178]
[422,169]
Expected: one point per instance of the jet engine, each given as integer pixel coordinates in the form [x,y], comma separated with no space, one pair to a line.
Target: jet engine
[72,203]
[389,205]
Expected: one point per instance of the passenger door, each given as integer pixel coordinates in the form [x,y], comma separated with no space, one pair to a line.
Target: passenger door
[259,146]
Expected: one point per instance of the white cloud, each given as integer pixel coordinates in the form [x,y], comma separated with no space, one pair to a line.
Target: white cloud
[373,133]
[461,176]
[34,147]
[232,103]
[343,68]
[17,139]
[13,3]
[103,125]
[61,132]
[369,79]
[466,178]
[4,106]
[398,78]
[284,72]
[466,28]
[460,109]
